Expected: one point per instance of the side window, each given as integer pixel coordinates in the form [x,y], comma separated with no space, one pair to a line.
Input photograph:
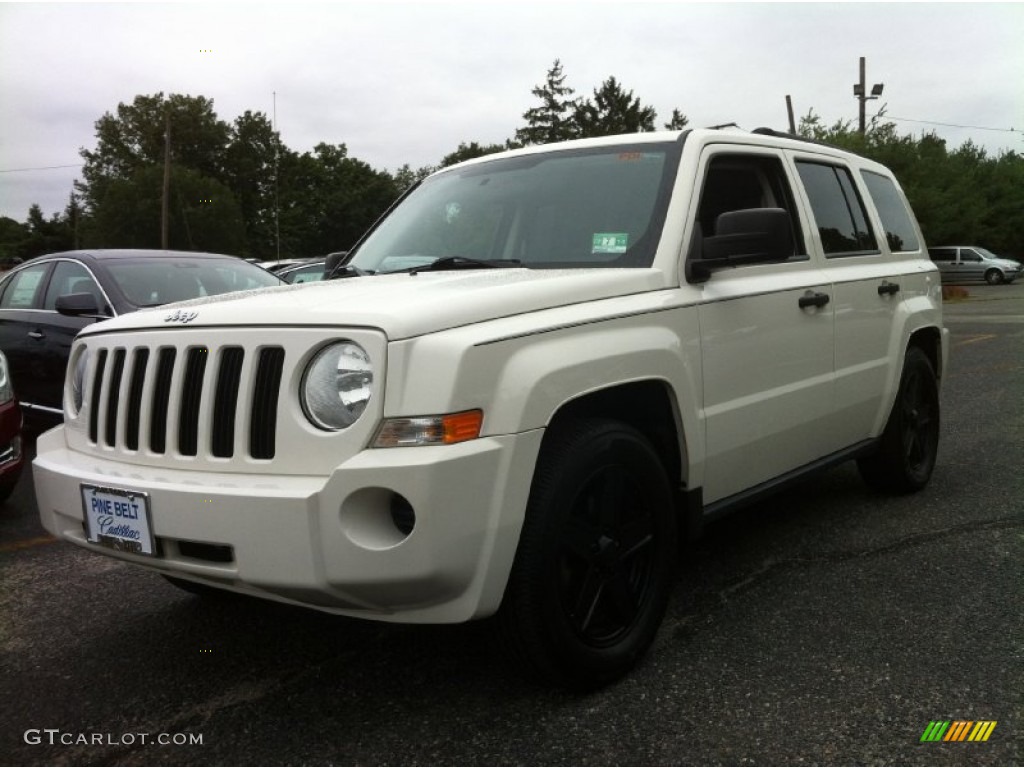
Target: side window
[735,182]
[21,289]
[942,254]
[70,277]
[966,254]
[899,226]
[838,210]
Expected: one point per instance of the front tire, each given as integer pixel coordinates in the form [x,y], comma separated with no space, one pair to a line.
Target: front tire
[906,455]
[993,277]
[596,557]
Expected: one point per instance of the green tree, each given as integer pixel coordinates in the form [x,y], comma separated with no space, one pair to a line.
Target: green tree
[405,176]
[135,138]
[469,151]
[612,111]
[203,213]
[677,122]
[45,235]
[553,120]
[13,235]
[252,162]
[329,199]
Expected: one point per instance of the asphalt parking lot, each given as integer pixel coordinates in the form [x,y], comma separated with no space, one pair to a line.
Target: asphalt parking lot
[829,625]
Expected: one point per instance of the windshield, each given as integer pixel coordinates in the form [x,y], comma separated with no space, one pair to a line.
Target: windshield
[155,281]
[600,207]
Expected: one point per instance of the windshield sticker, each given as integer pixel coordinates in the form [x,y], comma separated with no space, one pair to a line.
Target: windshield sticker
[610,242]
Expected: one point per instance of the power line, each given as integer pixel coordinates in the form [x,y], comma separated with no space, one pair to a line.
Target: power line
[41,168]
[947,125]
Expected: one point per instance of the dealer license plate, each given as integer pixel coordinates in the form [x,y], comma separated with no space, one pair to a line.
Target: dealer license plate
[118,519]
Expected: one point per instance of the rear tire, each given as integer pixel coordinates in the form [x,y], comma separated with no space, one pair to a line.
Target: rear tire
[596,557]
[905,457]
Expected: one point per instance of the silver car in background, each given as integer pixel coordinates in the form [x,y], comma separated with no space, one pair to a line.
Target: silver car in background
[959,263]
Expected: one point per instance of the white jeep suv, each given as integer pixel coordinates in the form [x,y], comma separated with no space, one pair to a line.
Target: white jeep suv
[526,381]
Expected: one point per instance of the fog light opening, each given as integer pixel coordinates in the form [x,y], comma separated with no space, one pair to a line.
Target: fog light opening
[402,514]
[376,518]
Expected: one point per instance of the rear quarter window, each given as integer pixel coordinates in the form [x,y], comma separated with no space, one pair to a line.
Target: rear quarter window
[900,233]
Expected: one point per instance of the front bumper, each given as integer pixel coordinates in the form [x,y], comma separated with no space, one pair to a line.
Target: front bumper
[328,543]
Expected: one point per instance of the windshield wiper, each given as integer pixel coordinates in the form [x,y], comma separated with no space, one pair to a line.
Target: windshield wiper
[446,263]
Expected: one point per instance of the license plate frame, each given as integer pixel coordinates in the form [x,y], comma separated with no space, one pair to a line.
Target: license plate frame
[119,519]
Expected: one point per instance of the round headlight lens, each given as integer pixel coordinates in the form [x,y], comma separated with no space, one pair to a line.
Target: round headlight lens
[78,381]
[336,386]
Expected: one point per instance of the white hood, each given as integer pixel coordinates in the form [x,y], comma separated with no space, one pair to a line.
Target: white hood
[401,305]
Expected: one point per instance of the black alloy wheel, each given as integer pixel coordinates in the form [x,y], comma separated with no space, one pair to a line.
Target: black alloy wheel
[596,557]
[909,445]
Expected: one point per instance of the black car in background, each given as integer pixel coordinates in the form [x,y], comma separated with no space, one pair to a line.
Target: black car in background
[12,460]
[45,301]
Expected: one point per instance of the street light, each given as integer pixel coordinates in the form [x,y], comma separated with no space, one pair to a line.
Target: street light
[859,92]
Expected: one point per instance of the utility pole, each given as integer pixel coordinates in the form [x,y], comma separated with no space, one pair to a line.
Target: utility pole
[789,110]
[167,181]
[860,91]
[277,205]
[74,217]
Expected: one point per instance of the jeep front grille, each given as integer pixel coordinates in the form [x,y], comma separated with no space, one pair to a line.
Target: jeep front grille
[153,399]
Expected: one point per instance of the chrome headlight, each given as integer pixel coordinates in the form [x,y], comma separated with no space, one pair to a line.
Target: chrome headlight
[6,388]
[336,386]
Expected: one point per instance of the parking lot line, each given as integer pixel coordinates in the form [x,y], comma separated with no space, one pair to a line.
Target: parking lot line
[973,338]
[38,541]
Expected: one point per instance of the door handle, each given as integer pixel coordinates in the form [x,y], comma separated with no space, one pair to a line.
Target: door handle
[887,288]
[36,335]
[813,299]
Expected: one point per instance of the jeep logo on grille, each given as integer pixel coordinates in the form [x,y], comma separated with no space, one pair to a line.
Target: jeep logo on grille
[181,317]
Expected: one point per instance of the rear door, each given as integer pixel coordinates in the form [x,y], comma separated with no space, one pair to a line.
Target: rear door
[868,283]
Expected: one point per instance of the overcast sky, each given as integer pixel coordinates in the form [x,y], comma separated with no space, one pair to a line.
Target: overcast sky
[407,82]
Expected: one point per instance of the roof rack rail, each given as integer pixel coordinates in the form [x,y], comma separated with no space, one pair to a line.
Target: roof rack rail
[794,137]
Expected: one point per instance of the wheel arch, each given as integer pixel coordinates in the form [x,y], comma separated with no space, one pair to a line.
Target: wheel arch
[650,407]
[929,341]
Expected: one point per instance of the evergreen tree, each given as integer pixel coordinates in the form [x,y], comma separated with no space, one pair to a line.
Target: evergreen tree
[612,111]
[678,121]
[552,120]
[469,151]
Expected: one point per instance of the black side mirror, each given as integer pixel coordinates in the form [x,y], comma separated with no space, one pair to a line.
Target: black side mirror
[333,260]
[750,236]
[77,304]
